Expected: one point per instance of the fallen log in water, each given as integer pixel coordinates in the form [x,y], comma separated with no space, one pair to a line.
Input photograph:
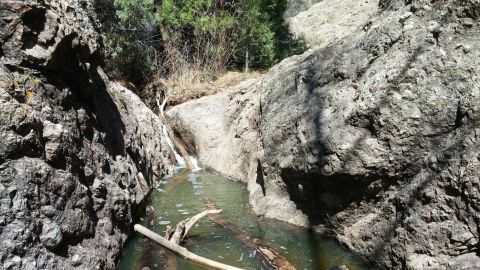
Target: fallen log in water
[181,250]
[154,254]
[272,257]
[173,238]
[184,226]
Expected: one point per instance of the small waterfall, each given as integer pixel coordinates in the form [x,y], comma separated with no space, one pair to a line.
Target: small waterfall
[178,157]
[180,161]
[194,161]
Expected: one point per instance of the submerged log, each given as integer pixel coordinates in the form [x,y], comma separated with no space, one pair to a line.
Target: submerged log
[173,238]
[181,250]
[154,254]
[271,256]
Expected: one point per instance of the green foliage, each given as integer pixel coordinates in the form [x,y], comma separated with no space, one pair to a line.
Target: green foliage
[195,35]
[131,38]
[173,36]
[265,34]
[137,13]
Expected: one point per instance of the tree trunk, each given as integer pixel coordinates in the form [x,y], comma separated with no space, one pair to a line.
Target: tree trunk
[184,226]
[273,257]
[181,250]
[246,60]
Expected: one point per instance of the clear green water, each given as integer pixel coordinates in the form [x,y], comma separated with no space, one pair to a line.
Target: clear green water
[182,197]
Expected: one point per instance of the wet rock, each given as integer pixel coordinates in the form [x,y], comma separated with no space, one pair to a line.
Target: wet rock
[51,235]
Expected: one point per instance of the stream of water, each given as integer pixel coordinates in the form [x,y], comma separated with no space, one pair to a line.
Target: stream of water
[183,196]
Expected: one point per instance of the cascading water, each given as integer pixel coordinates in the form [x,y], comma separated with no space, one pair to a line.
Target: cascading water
[181,163]
[194,161]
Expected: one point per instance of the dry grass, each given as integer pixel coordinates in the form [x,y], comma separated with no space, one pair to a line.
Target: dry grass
[184,88]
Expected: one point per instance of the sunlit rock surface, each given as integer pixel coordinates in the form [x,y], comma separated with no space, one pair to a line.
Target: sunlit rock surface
[372,138]
[331,20]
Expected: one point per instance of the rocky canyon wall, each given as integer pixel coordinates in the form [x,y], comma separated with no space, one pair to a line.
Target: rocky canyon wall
[78,153]
[372,138]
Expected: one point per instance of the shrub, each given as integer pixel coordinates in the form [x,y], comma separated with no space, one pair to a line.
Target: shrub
[195,35]
[131,37]
[264,35]
[195,38]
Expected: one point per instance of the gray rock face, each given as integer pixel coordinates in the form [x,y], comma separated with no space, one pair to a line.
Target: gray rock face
[331,20]
[374,138]
[216,129]
[51,235]
[294,7]
[78,152]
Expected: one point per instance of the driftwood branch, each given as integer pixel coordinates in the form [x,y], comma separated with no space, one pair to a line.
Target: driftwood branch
[184,226]
[181,250]
[173,238]
[273,257]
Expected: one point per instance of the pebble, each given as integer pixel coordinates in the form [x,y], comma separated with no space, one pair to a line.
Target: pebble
[51,235]
[434,27]
[467,22]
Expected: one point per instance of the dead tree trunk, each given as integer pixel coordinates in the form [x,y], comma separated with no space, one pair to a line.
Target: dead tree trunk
[173,238]
[181,250]
[272,257]
[184,226]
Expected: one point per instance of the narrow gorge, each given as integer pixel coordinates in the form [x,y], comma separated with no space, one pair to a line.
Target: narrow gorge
[363,152]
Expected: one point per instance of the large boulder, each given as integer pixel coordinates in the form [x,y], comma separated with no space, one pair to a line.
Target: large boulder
[374,138]
[330,20]
[78,153]
[220,130]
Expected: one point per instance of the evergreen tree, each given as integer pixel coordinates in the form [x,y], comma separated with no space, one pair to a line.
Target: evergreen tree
[171,37]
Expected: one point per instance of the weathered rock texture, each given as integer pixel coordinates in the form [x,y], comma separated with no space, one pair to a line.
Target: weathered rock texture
[293,7]
[331,20]
[215,129]
[374,138]
[78,153]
